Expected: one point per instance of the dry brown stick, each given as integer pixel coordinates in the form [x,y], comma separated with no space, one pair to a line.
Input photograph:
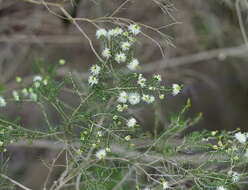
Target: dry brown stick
[123,151]
[221,53]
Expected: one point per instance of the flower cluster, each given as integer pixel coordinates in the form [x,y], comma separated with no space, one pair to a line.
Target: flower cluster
[241,137]
[118,44]
[131,88]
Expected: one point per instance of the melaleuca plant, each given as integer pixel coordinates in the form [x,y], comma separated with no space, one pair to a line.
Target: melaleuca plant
[104,142]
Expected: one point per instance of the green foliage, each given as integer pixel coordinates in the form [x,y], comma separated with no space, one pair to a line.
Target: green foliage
[104,118]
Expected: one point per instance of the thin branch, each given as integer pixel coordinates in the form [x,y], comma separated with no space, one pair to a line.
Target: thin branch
[14,182]
[197,58]
[241,22]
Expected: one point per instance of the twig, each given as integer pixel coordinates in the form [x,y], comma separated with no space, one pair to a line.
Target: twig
[14,182]
[130,171]
[196,58]
[241,23]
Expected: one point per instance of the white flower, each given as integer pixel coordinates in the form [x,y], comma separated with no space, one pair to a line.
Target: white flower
[106,53]
[108,149]
[25,92]
[128,138]
[114,32]
[99,133]
[125,46]
[175,89]
[146,188]
[101,33]
[95,70]
[101,154]
[37,80]
[134,98]
[148,99]
[240,137]
[235,177]
[62,61]
[118,31]
[165,185]
[141,81]
[221,188]
[131,122]
[45,82]
[161,96]
[121,108]
[131,39]
[152,88]
[15,95]
[120,57]
[93,80]
[111,33]
[33,96]
[2,102]
[123,97]
[134,28]
[157,77]
[133,65]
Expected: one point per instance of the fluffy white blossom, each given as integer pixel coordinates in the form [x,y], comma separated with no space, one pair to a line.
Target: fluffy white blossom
[99,133]
[141,81]
[161,96]
[2,102]
[114,32]
[234,175]
[165,185]
[147,188]
[148,99]
[93,80]
[101,33]
[111,33]
[25,92]
[123,97]
[101,154]
[62,61]
[176,89]
[125,46]
[134,29]
[240,137]
[33,96]
[106,53]
[134,98]
[95,69]
[120,57]
[15,95]
[221,188]
[157,77]
[133,64]
[108,149]
[118,31]
[131,122]
[152,88]
[128,138]
[131,39]
[45,82]
[121,108]
[37,79]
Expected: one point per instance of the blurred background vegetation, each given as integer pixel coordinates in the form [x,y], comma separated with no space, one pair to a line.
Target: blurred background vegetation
[199,34]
